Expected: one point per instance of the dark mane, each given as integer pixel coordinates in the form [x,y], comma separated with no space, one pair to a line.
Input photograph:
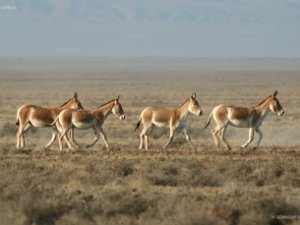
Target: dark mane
[263,101]
[106,103]
[184,103]
[65,102]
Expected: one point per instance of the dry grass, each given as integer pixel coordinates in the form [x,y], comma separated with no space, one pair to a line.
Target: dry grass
[127,186]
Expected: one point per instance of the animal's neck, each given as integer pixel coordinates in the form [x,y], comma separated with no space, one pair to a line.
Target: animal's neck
[59,109]
[263,108]
[105,109]
[183,110]
[64,107]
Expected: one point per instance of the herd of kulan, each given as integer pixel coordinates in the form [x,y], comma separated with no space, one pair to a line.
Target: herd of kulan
[71,114]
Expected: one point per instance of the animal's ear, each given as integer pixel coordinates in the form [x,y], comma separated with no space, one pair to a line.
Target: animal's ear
[275,93]
[75,95]
[193,96]
[117,99]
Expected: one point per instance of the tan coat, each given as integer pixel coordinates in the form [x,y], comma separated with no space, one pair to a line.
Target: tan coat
[30,115]
[243,117]
[165,117]
[86,119]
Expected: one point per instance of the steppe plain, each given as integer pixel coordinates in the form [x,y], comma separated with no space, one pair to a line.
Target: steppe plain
[125,185]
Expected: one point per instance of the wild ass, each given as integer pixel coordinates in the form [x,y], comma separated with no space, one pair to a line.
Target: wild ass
[242,117]
[30,115]
[164,117]
[85,119]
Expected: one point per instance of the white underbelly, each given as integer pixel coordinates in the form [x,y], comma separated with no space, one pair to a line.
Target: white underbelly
[239,123]
[160,124]
[83,126]
[39,123]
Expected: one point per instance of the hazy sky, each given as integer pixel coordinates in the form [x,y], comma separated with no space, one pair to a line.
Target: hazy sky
[209,28]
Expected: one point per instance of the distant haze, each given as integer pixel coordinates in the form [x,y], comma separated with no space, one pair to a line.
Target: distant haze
[95,65]
[184,28]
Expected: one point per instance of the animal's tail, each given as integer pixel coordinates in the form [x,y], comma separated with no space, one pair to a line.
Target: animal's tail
[18,116]
[208,121]
[138,124]
[57,124]
[54,122]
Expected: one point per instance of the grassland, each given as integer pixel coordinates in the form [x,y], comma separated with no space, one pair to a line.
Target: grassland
[129,186]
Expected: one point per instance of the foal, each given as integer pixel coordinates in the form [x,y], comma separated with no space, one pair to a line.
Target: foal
[251,118]
[172,118]
[36,116]
[85,119]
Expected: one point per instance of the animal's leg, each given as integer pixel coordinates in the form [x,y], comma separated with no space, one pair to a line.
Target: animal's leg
[187,137]
[67,140]
[60,144]
[222,136]
[250,139]
[146,141]
[19,136]
[28,125]
[60,141]
[143,136]
[260,136]
[64,135]
[26,128]
[72,136]
[59,130]
[54,134]
[218,133]
[69,143]
[104,138]
[216,139]
[172,131]
[97,134]
[221,132]
[141,140]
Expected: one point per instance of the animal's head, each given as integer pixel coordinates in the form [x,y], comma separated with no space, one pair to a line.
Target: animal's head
[73,103]
[117,109]
[194,106]
[275,105]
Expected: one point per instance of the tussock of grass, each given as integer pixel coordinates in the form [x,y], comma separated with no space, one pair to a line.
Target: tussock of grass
[124,202]
[154,187]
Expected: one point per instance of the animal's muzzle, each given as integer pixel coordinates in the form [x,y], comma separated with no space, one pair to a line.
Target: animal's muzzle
[200,113]
[281,113]
[122,117]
